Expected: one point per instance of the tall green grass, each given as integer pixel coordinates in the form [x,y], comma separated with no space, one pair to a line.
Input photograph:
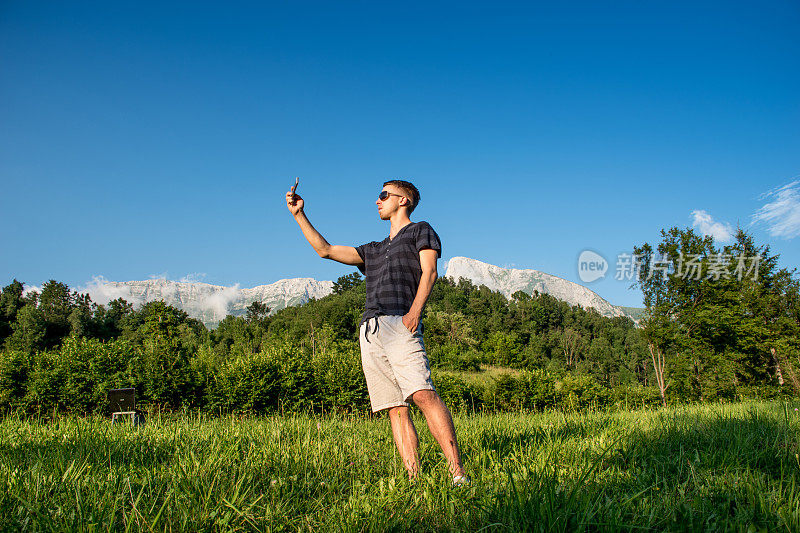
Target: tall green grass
[725,467]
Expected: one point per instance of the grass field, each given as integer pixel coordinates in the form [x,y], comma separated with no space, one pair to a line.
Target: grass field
[732,467]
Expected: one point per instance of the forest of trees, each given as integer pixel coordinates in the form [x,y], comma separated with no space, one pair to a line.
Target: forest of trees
[720,320]
[703,338]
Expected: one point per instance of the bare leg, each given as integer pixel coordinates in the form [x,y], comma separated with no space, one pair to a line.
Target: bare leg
[405,437]
[437,415]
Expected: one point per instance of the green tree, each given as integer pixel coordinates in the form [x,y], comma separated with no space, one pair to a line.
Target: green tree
[10,303]
[110,321]
[257,311]
[162,368]
[56,304]
[29,330]
[767,329]
[713,316]
[82,317]
[346,282]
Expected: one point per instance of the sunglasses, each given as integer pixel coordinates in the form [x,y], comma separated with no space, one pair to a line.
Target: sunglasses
[386,194]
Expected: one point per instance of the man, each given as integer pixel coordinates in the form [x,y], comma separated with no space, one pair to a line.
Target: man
[400,272]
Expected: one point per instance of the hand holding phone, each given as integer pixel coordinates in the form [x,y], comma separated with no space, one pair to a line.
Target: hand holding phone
[293,201]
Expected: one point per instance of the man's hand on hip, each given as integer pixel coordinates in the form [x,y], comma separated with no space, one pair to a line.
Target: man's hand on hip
[411,321]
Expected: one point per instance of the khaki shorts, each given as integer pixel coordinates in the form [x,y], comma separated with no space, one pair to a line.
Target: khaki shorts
[394,361]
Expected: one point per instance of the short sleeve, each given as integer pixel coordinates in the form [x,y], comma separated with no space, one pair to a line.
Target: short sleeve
[427,238]
[362,252]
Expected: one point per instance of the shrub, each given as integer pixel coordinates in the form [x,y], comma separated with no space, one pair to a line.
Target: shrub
[505,394]
[542,390]
[452,357]
[248,383]
[45,385]
[76,377]
[581,391]
[339,378]
[90,368]
[458,393]
[539,390]
[634,395]
[298,385]
[14,369]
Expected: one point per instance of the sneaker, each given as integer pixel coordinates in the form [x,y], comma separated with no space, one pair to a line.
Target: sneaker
[461,480]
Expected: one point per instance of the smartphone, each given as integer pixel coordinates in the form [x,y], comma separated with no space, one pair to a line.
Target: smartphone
[296,183]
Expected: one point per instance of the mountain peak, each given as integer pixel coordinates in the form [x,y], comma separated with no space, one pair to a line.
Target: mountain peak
[209,303]
[510,280]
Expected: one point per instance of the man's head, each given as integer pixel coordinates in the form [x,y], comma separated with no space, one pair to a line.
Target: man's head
[401,194]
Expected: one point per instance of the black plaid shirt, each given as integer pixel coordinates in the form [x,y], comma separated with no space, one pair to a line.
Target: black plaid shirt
[393,270]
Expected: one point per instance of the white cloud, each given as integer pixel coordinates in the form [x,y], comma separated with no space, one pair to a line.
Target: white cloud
[27,289]
[101,291]
[782,214]
[194,277]
[720,231]
[216,303]
[200,301]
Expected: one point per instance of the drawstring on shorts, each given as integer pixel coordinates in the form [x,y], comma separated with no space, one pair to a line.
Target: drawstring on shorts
[366,330]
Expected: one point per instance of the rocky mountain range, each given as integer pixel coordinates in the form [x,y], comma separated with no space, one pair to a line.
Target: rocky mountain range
[510,280]
[211,303]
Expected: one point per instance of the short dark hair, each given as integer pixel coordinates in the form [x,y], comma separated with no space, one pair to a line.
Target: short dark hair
[409,190]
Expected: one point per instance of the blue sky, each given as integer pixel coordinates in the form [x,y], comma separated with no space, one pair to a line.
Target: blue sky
[149,139]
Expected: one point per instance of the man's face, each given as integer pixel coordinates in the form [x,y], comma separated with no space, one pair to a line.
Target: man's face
[386,208]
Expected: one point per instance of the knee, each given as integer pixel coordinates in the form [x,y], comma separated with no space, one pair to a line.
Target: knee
[425,398]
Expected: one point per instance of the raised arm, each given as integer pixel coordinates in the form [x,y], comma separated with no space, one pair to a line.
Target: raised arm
[342,254]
